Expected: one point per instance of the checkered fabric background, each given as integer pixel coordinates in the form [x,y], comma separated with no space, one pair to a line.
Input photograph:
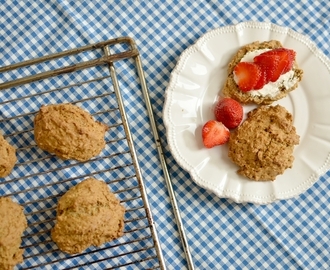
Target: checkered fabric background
[290,234]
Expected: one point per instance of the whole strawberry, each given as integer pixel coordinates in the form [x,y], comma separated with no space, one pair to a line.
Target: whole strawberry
[214,133]
[229,112]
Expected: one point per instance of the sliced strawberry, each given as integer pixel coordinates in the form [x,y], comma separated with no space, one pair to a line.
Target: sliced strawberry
[276,62]
[269,64]
[266,67]
[283,64]
[247,75]
[292,54]
[214,133]
[229,112]
[262,81]
[292,57]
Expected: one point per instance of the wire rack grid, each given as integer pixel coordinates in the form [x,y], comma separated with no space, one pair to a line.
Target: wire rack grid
[87,77]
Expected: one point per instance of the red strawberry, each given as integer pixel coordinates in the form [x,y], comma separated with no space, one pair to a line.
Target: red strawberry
[214,133]
[268,63]
[292,57]
[247,75]
[229,112]
[283,63]
[276,62]
[287,57]
[262,80]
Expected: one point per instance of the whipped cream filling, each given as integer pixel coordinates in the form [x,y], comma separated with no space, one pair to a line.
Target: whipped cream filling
[270,89]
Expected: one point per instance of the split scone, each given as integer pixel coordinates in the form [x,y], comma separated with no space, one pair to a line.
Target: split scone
[87,215]
[69,132]
[266,90]
[262,146]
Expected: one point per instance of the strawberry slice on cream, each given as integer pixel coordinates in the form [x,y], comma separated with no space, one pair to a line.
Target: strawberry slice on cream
[276,65]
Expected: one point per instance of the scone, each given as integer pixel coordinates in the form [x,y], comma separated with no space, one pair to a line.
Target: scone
[88,214]
[7,157]
[69,132]
[12,225]
[269,93]
[262,146]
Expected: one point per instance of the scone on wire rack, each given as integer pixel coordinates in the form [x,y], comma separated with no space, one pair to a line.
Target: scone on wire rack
[69,132]
[261,73]
[7,157]
[12,225]
[87,215]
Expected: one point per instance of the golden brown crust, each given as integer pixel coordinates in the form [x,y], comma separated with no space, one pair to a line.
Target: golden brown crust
[88,214]
[263,145]
[7,157]
[69,132]
[230,89]
[12,225]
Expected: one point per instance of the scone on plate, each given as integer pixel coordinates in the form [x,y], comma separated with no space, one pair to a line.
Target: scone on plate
[7,157]
[262,92]
[87,215]
[262,146]
[12,225]
[69,132]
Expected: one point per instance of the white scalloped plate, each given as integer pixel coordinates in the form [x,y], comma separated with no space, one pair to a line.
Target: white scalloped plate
[193,88]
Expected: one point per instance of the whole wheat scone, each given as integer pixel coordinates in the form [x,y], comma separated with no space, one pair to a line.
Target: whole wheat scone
[262,146]
[12,225]
[69,132]
[231,89]
[7,157]
[88,214]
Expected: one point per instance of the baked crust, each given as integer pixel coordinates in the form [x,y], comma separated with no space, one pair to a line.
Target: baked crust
[69,132]
[12,225]
[262,146]
[7,157]
[88,214]
[230,89]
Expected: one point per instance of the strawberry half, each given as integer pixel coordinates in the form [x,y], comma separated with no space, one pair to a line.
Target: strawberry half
[229,112]
[247,75]
[214,133]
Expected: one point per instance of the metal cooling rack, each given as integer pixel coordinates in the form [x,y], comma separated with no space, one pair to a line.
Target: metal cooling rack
[86,76]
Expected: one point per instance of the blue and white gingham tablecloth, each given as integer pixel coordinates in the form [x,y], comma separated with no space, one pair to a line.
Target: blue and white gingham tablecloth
[289,234]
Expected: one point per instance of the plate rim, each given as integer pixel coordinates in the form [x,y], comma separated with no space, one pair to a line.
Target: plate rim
[225,193]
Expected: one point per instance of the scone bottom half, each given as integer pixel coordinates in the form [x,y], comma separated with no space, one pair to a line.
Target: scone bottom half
[69,132]
[231,89]
[87,215]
